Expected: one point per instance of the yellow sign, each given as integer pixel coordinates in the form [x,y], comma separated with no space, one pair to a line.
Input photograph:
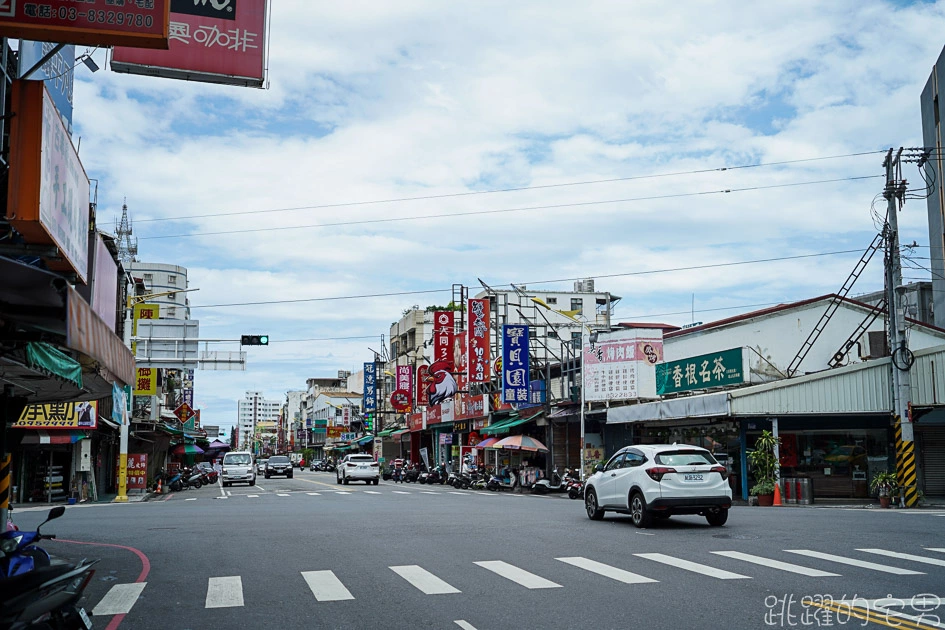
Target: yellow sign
[142,311]
[146,382]
[72,415]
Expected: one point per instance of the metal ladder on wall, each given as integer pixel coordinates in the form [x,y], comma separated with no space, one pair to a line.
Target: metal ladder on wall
[839,355]
[835,302]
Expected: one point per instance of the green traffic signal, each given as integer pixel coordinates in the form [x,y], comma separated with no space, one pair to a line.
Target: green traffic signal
[254,340]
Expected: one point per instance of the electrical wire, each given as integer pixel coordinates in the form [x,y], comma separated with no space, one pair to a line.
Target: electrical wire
[504,210]
[612,275]
[517,189]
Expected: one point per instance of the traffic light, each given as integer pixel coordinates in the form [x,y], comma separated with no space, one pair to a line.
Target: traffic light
[254,340]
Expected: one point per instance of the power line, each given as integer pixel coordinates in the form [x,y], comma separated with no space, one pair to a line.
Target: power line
[517,189]
[272,341]
[612,275]
[699,310]
[505,210]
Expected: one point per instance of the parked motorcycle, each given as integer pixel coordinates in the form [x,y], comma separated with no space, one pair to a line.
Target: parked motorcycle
[35,593]
[192,478]
[575,488]
[556,483]
[412,474]
[506,478]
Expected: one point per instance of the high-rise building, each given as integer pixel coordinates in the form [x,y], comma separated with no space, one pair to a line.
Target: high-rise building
[252,410]
[164,278]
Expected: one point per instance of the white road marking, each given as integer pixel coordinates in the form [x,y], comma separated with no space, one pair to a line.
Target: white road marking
[228,493]
[695,567]
[224,592]
[428,492]
[938,549]
[606,570]
[325,586]
[853,562]
[399,492]
[341,492]
[119,599]
[371,492]
[645,534]
[252,496]
[222,491]
[519,576]
[905,556]
[460,493]
[193,499]
[465,625]
[281,494]
[313,494]
[775,564]
[422,579]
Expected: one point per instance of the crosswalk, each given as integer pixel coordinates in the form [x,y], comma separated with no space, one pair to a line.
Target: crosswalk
[358,492]
[326,586]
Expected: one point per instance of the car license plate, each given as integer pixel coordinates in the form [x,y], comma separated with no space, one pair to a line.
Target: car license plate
[362,467]
[694,477]
[85,619]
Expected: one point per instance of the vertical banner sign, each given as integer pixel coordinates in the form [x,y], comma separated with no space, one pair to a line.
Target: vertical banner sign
[346,415]
[369,402]
[443,337]
[515,372]
[142,311]
[405,381]
[422,397]
[477,347]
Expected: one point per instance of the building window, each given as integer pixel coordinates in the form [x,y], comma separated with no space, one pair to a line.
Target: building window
[149,277]
[171,279]
[172,312]
[576,342]
[552,300]
[577,304]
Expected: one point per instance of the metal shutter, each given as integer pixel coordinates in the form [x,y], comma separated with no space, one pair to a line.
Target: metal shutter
[932,451]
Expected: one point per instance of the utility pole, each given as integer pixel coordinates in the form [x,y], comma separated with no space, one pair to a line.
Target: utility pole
[900,355]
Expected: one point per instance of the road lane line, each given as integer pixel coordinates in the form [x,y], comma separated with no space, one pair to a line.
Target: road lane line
[775,564]
[428,492]
[938,549]
[281,494]
[465,625]
[372,492]
[695,567]
[460,493]
[222,491]
[905,556]
[259,487]
[606,570]
[119,599]
[313,494]
[399,492]
[252,496]
[326,586]
[423,580]
[853,562]
[517,575]
[342,492]
[193,499]
[224,592]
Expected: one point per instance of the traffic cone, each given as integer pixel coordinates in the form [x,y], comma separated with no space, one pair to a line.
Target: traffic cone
[159,488]
[777,494]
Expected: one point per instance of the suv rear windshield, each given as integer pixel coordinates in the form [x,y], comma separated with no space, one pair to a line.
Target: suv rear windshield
[360,458]
[278,460]
[237,458]
[685,458]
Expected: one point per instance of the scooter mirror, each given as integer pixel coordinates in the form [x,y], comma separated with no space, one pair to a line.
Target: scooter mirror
[56,512]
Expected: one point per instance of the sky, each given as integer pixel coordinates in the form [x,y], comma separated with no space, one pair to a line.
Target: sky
[574,140]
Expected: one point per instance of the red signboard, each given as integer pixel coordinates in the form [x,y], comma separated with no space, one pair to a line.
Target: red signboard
[184,412]
[140,23]
[206,44]
[137,471]
[422,397]
[443,337]
[404,381]
[415,421]
[400,401]
[471,407]
[478,342]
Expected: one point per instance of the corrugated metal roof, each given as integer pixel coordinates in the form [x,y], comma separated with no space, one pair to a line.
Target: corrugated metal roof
[858,388]
[928,377]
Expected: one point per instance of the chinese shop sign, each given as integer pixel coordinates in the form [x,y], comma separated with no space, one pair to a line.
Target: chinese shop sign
[620,366]
[71,415]
[138,23]
[402,397]
[146,382]
[702,372]
[477,345]
[369,401]
[443,337]
[515,364]
[137,471]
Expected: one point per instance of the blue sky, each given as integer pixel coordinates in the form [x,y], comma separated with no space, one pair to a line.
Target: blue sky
[372,101]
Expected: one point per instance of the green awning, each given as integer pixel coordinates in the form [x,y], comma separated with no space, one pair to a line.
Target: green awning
[507,424]
[365,440]
[47,359]
[385,432]
[440,425]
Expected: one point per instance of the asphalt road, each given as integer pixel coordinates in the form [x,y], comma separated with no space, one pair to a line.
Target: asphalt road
[306,553]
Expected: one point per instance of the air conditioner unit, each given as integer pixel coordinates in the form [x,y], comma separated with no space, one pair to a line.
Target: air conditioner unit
[873,345]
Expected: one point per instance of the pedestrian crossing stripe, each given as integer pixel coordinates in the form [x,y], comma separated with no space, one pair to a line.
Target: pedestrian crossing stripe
[775,564]
[224,592]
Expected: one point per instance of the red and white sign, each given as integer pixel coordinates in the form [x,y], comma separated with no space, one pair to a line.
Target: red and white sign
[415,421]
[422,397]
[404,381]
[88,22]
[184,412]
[229,48]
[478,342]
[346,415]
[443,336]
[137,471]
[400,401]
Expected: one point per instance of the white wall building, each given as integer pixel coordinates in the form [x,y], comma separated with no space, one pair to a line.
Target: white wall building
[293,416]
[253,409]
[160,277]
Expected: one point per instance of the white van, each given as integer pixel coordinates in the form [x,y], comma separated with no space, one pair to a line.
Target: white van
[238,468]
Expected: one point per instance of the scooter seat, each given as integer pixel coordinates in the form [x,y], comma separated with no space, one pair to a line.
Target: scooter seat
[11,587]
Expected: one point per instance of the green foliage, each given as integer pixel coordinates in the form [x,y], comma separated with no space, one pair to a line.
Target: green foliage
[885,484]
[762,487]
[764,463]
[452,306]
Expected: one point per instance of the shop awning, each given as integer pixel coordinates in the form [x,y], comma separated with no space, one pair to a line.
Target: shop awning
[510,423]
[367,439]
[53,437]
[398,435]
[385,433]
[47,359]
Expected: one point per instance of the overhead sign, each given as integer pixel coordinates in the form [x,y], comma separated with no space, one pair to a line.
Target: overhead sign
[212,41]
[620,365]
[718,369]
[71,415]
[57,72]
[140,23]
[478,342]
[515,363]
[48,199]
[369,400]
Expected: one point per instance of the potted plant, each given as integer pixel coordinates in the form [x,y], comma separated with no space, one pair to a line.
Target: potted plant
[765,466]
[886,486]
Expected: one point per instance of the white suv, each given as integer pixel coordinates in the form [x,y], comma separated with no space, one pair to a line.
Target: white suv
[358,467]
[657,481]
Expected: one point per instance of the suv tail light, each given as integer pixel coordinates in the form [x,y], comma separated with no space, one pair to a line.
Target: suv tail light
[352,464]
[374,464]
[721,470]
[656,473]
